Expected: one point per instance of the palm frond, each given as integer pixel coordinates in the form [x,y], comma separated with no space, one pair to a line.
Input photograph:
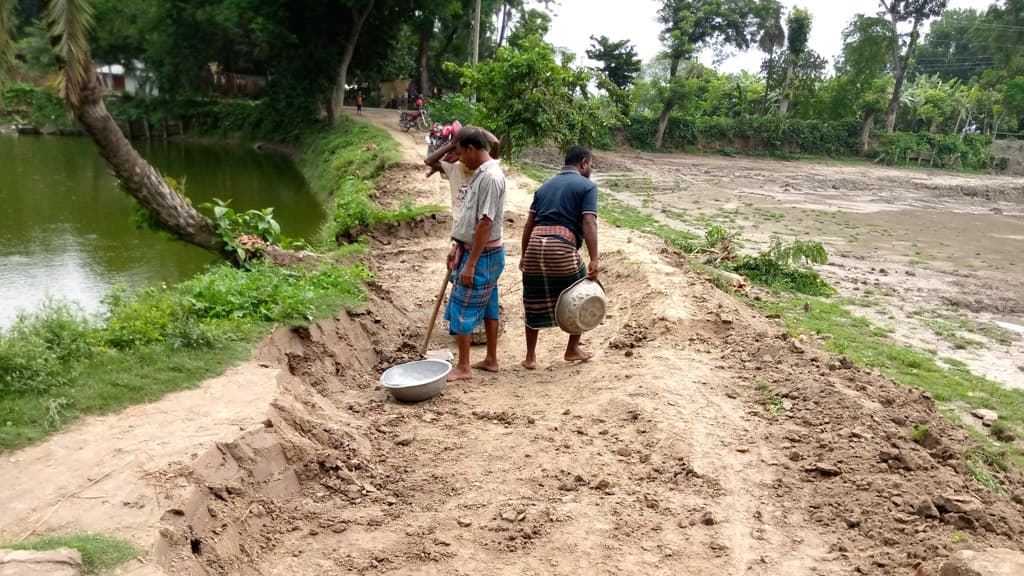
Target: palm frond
[70,22]
[6,40]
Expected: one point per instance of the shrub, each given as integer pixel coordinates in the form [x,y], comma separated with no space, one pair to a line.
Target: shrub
[453,107]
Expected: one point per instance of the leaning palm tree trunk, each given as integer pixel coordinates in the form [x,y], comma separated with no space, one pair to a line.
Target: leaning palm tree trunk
[69,22]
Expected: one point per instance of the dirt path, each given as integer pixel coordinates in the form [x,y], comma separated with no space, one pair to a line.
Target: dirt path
[698,440]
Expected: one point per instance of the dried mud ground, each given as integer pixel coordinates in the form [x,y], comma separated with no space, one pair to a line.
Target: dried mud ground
[698,440]
[931,255]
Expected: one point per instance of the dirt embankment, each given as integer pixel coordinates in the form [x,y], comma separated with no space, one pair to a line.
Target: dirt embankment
[700,439]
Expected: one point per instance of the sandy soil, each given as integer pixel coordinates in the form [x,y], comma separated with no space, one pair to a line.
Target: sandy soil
[700,439]
[912,247]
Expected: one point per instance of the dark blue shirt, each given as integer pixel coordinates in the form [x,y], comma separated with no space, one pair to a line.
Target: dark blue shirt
[563,200]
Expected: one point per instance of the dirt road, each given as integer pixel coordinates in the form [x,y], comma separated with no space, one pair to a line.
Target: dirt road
[700,439]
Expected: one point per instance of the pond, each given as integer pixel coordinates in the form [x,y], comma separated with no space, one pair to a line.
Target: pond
[67,230]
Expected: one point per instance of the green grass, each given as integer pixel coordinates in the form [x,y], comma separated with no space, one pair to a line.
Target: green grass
[535,172]
[955,329]
[618,213]
[920,433]
[99,553]
[864,343]
[353,150]
[771,402]
[57,365]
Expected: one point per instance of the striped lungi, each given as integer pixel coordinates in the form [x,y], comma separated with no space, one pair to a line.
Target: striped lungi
[468,307]
[550,265]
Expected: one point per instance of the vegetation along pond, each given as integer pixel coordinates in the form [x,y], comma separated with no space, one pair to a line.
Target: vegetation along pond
[67,230]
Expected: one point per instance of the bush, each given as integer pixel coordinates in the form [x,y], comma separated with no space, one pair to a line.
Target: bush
[453,107]
[39,352]
[970,152]
[752,134]
[23,103]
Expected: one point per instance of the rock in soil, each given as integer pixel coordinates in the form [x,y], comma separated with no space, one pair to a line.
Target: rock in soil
[59,562]
[925,509]
[991,562]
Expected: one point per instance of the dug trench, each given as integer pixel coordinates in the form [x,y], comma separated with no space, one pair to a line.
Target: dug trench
[699,439]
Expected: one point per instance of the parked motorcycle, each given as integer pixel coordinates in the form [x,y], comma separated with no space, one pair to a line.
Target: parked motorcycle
[417,118]
[441,135]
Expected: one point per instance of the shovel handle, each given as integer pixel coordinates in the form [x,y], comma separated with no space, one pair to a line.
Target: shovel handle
[437,307]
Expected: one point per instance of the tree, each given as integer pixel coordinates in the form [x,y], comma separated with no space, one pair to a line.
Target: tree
[530,97]
[773,38]
[532,22]
[70,22]
[7,26]
[1013,100]
[809,72]
[359,12]
[691,25]
[798,33]
[916,12]
[861,84]
[618,59]
[958,46]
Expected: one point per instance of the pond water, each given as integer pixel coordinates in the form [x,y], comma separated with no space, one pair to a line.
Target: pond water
[66,230]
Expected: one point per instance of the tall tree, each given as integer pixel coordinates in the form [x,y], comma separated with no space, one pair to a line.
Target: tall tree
[689,26]
[360,12]
[798,33]
[531,22]
[773,38]
[70,22]
[7,25]
[618,59]
[861,83]
[958,45]
[916,12]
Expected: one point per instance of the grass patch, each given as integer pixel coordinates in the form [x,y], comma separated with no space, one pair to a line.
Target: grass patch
[352,150]
[954,329]
[771,402]
[954,363]
[535,172]
[99,553]
[618,213]
[57,364]
[920,433]
[858,339]
[979,465]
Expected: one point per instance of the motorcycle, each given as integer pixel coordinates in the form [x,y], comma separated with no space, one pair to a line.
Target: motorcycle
[417,118]
[441,135]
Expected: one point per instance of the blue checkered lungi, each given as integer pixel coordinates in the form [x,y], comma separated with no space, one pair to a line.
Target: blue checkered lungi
[468,307]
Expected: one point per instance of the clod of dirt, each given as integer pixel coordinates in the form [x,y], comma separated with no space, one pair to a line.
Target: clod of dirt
[60,562]
[405,440]
[825,470]
[957,503]
[991,562]
[708,519]
[464,522]
[926,509]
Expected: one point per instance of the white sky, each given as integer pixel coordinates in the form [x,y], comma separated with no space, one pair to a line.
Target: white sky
[576,20]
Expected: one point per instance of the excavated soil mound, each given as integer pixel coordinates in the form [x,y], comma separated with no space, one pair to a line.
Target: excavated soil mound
[699,440]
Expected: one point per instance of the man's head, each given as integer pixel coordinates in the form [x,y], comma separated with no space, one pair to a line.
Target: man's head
[472,147]
[580,158]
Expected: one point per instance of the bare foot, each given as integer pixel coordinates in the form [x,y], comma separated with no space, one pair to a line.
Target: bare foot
[487,365]
[578,355]
[460,373]
[529,364]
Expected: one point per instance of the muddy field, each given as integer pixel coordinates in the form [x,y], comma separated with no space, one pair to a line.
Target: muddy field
[700,439]
[933,256]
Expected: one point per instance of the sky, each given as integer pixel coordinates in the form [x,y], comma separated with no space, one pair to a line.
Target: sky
[576,20]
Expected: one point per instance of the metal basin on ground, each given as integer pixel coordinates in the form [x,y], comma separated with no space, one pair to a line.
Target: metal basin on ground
[416,381]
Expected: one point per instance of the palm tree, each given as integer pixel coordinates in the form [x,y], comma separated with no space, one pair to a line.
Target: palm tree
[69,23]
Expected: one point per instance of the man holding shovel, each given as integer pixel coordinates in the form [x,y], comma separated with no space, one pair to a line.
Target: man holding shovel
[478,257]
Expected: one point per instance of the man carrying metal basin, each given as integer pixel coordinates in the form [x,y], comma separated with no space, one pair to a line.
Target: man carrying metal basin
[478,257]
[563,215]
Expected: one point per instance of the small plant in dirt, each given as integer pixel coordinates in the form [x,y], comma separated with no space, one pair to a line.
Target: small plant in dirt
[720,245]
[771,401]
[920,433]
[1003,432]
[981,463]
[787,267]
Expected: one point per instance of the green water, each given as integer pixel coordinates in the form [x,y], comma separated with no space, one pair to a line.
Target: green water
[66,230]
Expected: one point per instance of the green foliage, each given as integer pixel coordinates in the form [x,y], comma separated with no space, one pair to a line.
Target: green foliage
[972,150]
[100,553]
[231,225]
[786,267]
[531,98]
[619,62]
[25,104]
[452,107]
[39,352]
[353,150]
[752,135]
[920,433]
[771,401]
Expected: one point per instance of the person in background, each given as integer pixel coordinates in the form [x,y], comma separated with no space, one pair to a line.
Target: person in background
[359,103]
[563,214]
[478,257]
